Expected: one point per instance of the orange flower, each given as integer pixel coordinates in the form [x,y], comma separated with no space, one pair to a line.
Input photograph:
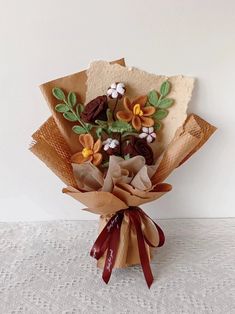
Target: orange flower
[137,113]
[90,150]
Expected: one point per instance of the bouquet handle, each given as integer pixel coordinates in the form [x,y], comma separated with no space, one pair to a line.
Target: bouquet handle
[108,240]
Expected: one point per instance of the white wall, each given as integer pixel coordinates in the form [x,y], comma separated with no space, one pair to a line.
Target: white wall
[46,39]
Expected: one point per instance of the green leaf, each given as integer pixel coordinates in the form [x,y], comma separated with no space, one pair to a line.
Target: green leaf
[102,123]
[108,130]
[72,99]
[99,132]
[157,125]
[58,93]
[153,98]
[88,126]
[120,127]
[78,129]
[79,110]
[165,88]
[165,103]
[70,116]
[61,108]
[160,114]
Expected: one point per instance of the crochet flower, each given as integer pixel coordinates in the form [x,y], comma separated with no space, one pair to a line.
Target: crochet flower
[148,134]
[137,112]
[116,90]
[90,150]
[111,146]
[110,143]
[138,146]
[95,110]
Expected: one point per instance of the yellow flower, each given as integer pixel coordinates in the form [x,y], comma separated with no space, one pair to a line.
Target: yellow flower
[90,151]
[137,113]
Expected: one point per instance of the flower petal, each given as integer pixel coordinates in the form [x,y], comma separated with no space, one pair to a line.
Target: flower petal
[113,144]
[78,158]
[143,135]
[127,104]
[136,122]
[145,130]
[149,139]
[148,111]
[124,115]
[120,89]
[97,146]
[120,85]
[86,140]
[151,129]
[109,91]
[97,158]
[147,121]
[141,100]
[89,141]
[154,135]
[107,141]
[81,139]
[114,94]
[106,147]
[113,85]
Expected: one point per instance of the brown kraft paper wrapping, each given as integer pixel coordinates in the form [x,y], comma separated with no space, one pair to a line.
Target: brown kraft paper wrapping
[188,140]
[54,143]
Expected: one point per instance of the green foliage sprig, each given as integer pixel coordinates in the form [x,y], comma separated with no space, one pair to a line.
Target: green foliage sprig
[120,127]
[71,110]
[160,102]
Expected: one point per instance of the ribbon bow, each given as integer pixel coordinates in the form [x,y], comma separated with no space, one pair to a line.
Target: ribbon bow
[109,239]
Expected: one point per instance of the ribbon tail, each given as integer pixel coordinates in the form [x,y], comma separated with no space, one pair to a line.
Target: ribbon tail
[111,252]
[161,235]
[160,231]
[100,245]
[144,259]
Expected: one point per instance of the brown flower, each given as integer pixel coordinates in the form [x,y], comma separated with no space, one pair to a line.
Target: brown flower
[95,110]
[138,146]
[137,112]
[90,151]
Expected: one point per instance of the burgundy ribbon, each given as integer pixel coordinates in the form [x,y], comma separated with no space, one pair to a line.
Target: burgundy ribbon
[109,238]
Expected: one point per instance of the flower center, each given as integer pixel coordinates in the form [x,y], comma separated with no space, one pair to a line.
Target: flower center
[137,111]
[86,152]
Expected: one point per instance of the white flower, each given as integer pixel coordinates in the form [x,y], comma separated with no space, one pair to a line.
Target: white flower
[148,133]
[110,143]
[116,90]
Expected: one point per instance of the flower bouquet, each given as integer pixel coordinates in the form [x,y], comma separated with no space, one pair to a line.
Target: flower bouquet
[115,135]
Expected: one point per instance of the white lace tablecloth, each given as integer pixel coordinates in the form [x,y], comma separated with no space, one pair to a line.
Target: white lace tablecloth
[45,267]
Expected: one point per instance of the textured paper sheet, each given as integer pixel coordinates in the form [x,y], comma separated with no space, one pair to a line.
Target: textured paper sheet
[102,74]
[76,83]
